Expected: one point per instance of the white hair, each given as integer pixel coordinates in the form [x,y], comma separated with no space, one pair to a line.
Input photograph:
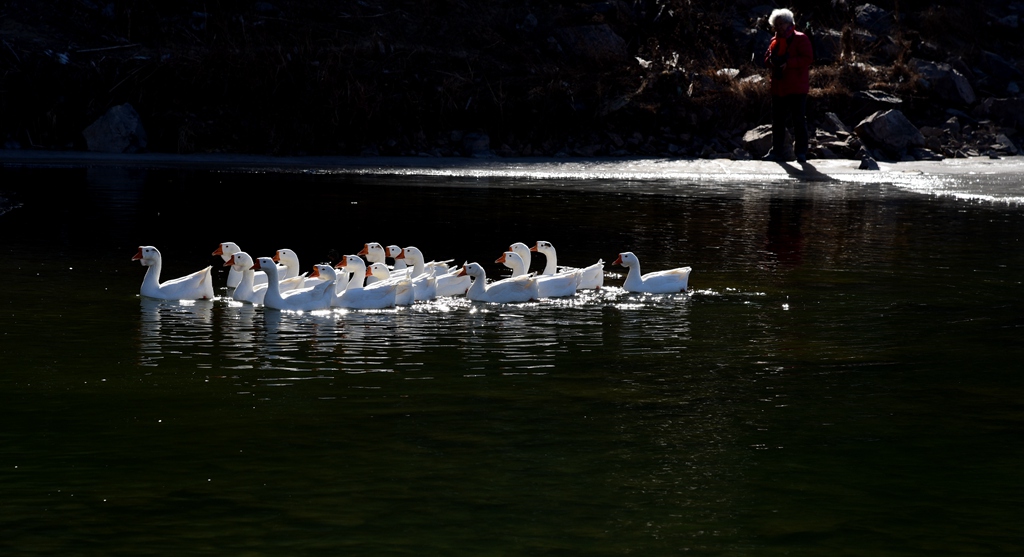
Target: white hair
[781,16]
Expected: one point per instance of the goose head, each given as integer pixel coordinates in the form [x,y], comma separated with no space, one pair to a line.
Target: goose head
[512,260]
[147,255]
[394,252]
[267,265]
[412,255]
[520,248]
[324,271]
[626,259]
[373,251]
[226,249]
[378,270]
[286,257]
[543,247]
[240,261]
[352,264]
[473,270]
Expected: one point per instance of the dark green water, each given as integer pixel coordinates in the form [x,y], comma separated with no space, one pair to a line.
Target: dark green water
[845,377]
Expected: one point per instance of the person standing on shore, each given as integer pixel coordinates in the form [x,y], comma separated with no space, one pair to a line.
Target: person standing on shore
[789,57]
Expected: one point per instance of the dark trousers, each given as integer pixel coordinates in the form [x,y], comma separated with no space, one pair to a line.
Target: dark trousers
[784,108]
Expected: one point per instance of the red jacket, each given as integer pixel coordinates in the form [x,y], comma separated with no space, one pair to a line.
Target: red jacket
[795,78]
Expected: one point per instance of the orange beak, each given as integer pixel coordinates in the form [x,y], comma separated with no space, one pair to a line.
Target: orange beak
[534,248]
[229,262]
[462,273]
[618,260]
[277,257]
[401,254]
[219,250]
[137,256]
[368,273]
[365,250]
[256,265]
[500,259]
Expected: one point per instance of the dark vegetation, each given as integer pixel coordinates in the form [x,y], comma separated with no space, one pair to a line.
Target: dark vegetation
[458,77]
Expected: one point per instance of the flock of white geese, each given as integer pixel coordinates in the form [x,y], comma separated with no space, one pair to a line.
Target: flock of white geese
[358,283]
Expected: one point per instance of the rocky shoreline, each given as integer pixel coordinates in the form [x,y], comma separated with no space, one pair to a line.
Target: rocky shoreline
[892,81]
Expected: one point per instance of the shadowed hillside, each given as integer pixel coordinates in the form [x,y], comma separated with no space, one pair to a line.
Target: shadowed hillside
[504,77]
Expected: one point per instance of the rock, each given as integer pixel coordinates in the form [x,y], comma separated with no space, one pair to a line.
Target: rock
[758,142]
[953,126]
[923,154]
[999,69]
[891,131]
[1002,144]
[873,18]
[833,124]
[827,45]
[597,43]
[868,163]
[944,82]
[118,131]
[1007,112]
[878,97]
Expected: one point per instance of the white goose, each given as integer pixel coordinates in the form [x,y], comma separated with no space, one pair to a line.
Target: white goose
[315,298]
[548,286]
[447,282]
[379,295]
[590,277]
[247,289]
[523,251]
[290,260]
[225,250]
[393,252]
[510,290]
[658,282]
[194,286]
[405,296]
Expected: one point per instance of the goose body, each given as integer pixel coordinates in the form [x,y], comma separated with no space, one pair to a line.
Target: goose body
[194,286]
[447,282]
[590,277]
[510,290]
[380,295]
[404,296]
[314,298]
[659,282]
[548,286]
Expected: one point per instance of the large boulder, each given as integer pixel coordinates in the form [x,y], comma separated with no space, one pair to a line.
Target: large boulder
[944,82]
[891,131]
[118,131]
[873,18]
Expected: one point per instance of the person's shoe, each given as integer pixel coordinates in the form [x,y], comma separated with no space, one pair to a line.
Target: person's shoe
[801,157]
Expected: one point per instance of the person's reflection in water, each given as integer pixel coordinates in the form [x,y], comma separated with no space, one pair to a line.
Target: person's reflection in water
[784,238]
